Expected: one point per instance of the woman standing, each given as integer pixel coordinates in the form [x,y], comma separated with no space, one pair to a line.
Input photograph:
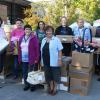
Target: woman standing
[40,31]
[2,35]
[15,35]
[28,53]
[51,51]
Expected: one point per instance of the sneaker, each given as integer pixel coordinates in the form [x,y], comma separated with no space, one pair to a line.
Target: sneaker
[15,77]
[26,88]
[40,86]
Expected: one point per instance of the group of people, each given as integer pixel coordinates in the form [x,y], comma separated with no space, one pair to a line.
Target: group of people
[44,48]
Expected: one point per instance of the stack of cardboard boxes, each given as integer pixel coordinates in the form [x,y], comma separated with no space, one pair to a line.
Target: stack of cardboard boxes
[80,73]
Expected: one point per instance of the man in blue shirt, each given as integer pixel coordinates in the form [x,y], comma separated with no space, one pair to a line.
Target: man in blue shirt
[78,32]
[82,35]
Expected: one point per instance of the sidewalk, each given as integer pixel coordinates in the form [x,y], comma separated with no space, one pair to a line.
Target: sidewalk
[14,91]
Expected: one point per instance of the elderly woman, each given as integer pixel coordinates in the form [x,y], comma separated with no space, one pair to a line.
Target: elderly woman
[40,31]
[15,35]
[51,51]
[28,54]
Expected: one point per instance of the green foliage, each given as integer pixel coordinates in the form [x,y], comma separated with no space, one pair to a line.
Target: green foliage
[97,10]
[30,17]
[73,9]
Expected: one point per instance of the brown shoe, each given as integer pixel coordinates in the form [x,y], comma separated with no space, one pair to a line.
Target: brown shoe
[49,91]
[53,93]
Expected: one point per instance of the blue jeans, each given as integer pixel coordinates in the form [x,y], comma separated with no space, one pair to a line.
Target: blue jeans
[25,69]
[15,69]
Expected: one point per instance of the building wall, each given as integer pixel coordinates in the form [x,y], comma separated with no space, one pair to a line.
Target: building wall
[11,10]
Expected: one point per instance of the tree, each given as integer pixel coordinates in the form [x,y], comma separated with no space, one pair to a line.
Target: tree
[87,9]
[31,17]
[97,10]
[73,9]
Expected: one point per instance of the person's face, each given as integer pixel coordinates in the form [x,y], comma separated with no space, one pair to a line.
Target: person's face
[49,33]
[63,21]
[19,24]
[41,25]
[80,23]
[28,31]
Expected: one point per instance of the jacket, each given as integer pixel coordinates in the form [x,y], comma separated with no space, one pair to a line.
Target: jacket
[33,49]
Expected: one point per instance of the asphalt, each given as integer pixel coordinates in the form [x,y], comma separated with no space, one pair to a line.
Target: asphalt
[11,90]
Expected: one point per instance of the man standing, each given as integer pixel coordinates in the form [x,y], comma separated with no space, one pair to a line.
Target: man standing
[64,30]
[82,35]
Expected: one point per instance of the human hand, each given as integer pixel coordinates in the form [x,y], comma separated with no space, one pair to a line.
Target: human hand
[36,61]
[59,62]
[86,43]
[94,44]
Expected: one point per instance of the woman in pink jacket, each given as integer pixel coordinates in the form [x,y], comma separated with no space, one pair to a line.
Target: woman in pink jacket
[15,35]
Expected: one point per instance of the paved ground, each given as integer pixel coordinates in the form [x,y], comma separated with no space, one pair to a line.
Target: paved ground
[13,91]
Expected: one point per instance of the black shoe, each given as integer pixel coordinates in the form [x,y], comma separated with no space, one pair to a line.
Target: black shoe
[98,79]
[1,70]
[15,77]
[39,86]
[32,88]
[26,88]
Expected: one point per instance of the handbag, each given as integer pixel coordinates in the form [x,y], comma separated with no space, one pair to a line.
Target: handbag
[3,44]
[36,77]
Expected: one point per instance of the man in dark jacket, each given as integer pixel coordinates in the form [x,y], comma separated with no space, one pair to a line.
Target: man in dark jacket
[64,30]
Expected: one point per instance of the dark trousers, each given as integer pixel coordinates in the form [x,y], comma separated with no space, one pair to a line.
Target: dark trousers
[15,69]
[25,69]
[2,57]
[97,62]
[66,49]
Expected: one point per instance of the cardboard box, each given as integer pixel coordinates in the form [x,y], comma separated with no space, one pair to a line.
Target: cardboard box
[65,66]
[82,59]
[79,86]
[79,72]
[66,38]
